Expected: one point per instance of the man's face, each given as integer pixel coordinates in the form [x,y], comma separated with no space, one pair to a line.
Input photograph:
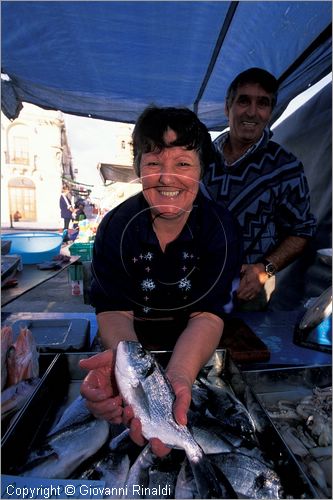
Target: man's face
[249,113]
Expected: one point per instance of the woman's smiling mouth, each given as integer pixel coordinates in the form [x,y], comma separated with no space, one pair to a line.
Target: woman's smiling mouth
[169,194]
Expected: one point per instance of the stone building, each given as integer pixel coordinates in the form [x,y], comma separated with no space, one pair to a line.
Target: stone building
[35,157]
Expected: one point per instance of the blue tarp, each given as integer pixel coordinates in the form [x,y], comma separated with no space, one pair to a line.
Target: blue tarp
[110,59]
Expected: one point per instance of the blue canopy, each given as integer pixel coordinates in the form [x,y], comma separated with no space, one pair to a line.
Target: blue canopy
[109,60]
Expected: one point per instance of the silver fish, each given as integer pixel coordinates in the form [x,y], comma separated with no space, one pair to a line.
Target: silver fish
[113,470]
[138,476]
[185,485]
[14,397]
[199,398]
[226,407]
[151,476]
[256,411]
[207,435]
[161,482]
[118,440]
[249,476]
[163,475]
[74,413]
[66,450]
[144,386]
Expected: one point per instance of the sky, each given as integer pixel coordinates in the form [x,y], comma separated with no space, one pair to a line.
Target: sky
[93,141]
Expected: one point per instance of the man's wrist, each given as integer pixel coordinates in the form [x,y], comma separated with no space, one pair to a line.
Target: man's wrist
[270,268]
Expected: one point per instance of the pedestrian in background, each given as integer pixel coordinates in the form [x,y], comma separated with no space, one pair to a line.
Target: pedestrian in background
[79,213]
[66,210]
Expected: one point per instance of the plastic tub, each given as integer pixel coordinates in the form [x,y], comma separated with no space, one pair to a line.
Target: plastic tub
[34,247]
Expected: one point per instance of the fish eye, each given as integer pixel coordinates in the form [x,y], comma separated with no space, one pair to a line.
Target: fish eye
[150,370]
[141,353]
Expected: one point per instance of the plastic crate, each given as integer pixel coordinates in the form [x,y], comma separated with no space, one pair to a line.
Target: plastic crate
[84,250]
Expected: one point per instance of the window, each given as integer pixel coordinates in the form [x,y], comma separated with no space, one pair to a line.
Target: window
[22,197]
[18,144]
[20,152]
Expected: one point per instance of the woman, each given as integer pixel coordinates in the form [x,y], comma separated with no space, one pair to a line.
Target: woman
[164,264]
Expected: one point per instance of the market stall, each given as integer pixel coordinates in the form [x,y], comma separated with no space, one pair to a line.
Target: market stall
[52,57]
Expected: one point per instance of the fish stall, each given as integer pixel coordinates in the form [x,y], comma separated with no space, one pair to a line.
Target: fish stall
[54,442]
[260,421]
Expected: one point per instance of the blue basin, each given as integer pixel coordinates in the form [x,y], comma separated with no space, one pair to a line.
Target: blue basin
[34,247]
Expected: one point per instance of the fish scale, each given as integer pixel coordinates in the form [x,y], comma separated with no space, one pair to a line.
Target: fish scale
[67,449]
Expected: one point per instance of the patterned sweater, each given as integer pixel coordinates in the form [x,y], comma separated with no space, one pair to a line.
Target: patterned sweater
[266,190]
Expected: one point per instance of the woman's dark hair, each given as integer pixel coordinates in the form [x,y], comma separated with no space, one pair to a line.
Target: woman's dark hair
[191,133]
[253,75]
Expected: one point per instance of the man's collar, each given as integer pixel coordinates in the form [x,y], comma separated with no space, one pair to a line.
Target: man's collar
[222,139]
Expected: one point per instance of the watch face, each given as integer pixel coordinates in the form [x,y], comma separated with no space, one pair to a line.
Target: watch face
[270,269]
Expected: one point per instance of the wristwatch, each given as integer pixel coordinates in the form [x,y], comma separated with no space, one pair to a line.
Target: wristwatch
[270,269]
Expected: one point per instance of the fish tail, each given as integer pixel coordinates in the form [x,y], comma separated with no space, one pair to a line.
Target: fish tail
[210,481]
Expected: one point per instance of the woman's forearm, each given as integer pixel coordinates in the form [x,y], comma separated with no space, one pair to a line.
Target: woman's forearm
[115,326]
[196,345]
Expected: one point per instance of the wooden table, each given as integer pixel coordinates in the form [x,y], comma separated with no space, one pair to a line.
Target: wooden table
[30,277]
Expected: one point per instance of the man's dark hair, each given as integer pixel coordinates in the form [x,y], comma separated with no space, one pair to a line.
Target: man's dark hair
[149,130]
[253,75]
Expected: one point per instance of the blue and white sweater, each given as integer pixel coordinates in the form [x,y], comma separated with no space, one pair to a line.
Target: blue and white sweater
[266,190]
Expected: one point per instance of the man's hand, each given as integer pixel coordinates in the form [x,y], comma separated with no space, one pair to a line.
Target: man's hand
[100,389]
[253,278]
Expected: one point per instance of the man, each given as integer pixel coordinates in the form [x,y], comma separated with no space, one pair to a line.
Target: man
[262,184]
[66,210]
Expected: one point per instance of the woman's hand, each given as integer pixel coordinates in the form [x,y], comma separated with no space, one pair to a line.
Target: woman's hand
[182,389]
[99,387]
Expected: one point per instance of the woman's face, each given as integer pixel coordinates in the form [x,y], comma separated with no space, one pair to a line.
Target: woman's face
[170,179]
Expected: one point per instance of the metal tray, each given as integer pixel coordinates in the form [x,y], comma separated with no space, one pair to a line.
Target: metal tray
[288,384]
[57,335]
[63,380]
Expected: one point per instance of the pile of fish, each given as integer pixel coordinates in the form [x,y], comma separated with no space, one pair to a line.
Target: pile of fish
[19,369]
[216,456]
[306,427]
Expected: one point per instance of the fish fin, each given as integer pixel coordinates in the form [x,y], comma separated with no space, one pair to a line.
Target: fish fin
[210,481]
[142,396]
[72,426]
[45,454]
[119,440]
